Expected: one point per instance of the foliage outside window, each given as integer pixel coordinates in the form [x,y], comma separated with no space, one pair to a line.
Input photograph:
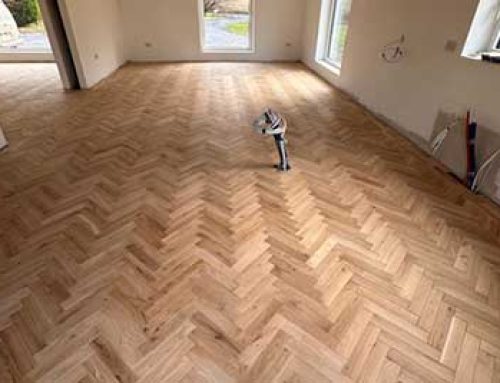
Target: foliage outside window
[25,12]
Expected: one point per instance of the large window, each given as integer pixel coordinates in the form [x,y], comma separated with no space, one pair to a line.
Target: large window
[226,25]
[338,25]
[22,30]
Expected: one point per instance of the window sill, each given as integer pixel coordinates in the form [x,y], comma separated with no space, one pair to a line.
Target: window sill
[331,68]
[228,51]
[25,56]
[479,57]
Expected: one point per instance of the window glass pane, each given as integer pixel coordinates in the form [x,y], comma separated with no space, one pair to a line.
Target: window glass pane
[21,27]
[227,24]
[338,33]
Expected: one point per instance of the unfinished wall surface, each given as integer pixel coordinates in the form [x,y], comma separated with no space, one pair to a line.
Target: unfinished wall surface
[171,29]
[95,35]
[429,79]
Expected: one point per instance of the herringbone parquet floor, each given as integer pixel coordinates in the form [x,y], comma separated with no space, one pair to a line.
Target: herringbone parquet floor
[146,238]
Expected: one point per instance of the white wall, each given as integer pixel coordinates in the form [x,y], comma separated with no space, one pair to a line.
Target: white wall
[171,27]
[411,93]
[95,35]
[104,34]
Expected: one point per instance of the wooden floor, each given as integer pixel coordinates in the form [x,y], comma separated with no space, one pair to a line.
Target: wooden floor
[145,237]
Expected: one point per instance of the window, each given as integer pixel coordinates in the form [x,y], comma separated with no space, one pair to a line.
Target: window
[495,38]
[337,31]
[226,25]
[22,29]
[483,40]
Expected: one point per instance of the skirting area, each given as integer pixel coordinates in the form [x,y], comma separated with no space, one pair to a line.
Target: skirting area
[145,237]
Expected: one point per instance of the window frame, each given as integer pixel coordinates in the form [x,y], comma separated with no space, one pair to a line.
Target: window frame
[496,42]
[226,50]
[332,9]
[332,14]
[495,39]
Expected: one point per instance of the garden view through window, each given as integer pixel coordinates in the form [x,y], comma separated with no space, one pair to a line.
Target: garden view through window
[339,25]
[21,27]
[227,24]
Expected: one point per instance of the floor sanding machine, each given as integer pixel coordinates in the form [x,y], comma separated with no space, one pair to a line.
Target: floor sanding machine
[271,123]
